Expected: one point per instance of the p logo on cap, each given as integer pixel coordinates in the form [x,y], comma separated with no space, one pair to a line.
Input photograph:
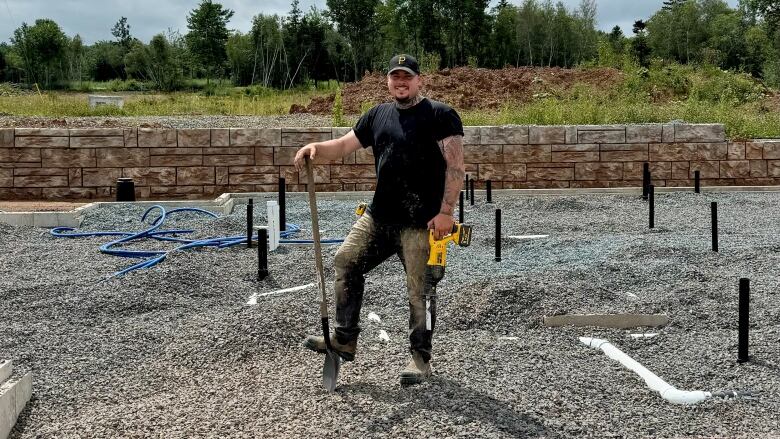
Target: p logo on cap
[401,59]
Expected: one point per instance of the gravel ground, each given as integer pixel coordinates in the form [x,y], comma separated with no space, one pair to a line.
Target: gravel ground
[175,351]
[291,120]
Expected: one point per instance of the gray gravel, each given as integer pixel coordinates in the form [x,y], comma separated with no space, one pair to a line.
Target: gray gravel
[174,351]
[289,120]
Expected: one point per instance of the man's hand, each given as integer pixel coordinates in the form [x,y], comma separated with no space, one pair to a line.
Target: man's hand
[441,225]
[309,150]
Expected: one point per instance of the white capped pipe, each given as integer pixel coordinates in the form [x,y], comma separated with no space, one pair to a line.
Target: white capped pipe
[644,335]
[667,391]
[527,236]
[253,298]
[383,335]
[373,317]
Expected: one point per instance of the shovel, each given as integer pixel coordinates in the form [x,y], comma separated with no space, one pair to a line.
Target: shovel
[330,371]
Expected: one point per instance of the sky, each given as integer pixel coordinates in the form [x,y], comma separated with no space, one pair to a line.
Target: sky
[93,19]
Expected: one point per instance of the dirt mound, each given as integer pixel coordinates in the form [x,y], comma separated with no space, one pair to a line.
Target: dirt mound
[471,88]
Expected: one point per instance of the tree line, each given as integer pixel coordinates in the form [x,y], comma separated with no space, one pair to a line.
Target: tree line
[351,37]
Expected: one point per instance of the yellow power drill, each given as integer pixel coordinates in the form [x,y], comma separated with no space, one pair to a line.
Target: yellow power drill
[437,260]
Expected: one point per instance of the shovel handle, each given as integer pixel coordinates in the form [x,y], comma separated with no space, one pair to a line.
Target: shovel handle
[315,226]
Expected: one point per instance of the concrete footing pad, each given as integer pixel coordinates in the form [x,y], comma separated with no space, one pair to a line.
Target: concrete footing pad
[607,320]
[14,395]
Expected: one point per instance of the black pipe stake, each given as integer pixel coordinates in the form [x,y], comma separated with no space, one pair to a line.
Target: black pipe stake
[489,189]
[696,182]
[498,235]
[645,180]
[282,205]
[744,320]
[460,208]
[467,186]
[651,196]
[714,209]
[262,253]
[249,216]
[471,188]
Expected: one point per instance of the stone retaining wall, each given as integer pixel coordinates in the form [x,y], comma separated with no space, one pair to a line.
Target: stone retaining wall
[56,163]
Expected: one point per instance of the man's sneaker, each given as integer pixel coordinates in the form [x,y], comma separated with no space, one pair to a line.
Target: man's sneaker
[317,344]
[416,372]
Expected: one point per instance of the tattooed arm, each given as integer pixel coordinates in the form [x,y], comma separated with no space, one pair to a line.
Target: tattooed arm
[452,150]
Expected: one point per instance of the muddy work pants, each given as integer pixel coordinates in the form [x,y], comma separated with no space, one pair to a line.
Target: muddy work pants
[368,245]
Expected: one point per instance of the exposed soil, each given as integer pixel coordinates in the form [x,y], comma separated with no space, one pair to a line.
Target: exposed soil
[472,88]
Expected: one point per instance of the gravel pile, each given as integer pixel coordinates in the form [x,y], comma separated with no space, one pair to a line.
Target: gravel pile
[175,351]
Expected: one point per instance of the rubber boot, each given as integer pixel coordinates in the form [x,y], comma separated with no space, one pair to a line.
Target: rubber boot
[417,371]
[317,344]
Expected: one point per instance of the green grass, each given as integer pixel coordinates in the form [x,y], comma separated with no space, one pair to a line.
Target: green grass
[58,104]
[744,121]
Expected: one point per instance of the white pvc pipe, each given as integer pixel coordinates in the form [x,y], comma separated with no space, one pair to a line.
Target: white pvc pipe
[253,298]
[667,391]
[527,236]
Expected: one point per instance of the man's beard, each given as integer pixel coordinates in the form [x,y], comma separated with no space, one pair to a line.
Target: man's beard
[409,101]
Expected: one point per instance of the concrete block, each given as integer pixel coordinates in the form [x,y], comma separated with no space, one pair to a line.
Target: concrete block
[47,132]
[6,137]
[538,135]
[598,171]
[6,369]
[96,132]
[644,133]
[41,142]
[16,218]
[667,133]
[481,153]
[571,134]
[339,132]
[471,136]
[220,137]
[660,152]
[305,136]
[99,101]
[527,153]
[504,135]
[735,169]
[45,219]
[502,172]
[14,396]
[601,136]
[607,320]
[699,133]
[194,138]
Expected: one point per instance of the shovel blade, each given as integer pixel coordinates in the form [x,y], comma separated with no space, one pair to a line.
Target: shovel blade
[330,371]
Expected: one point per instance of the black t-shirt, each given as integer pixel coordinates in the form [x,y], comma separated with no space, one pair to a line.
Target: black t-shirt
[409,164]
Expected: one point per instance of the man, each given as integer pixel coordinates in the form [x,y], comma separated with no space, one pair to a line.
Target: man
[418,153]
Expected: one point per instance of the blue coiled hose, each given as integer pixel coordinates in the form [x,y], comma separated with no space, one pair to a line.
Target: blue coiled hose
[153,257]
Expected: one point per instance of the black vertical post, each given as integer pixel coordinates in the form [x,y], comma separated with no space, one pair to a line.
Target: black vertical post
[498,235]
[714,209]
[744,320]
[262,253]
[249,218]
[460,208]
[282,205]
[651,196]
[645,180]
[489,189]
[471,188]
[467,186]
[696,182]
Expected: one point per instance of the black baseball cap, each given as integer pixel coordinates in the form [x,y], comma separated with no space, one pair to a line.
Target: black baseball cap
[404,62]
